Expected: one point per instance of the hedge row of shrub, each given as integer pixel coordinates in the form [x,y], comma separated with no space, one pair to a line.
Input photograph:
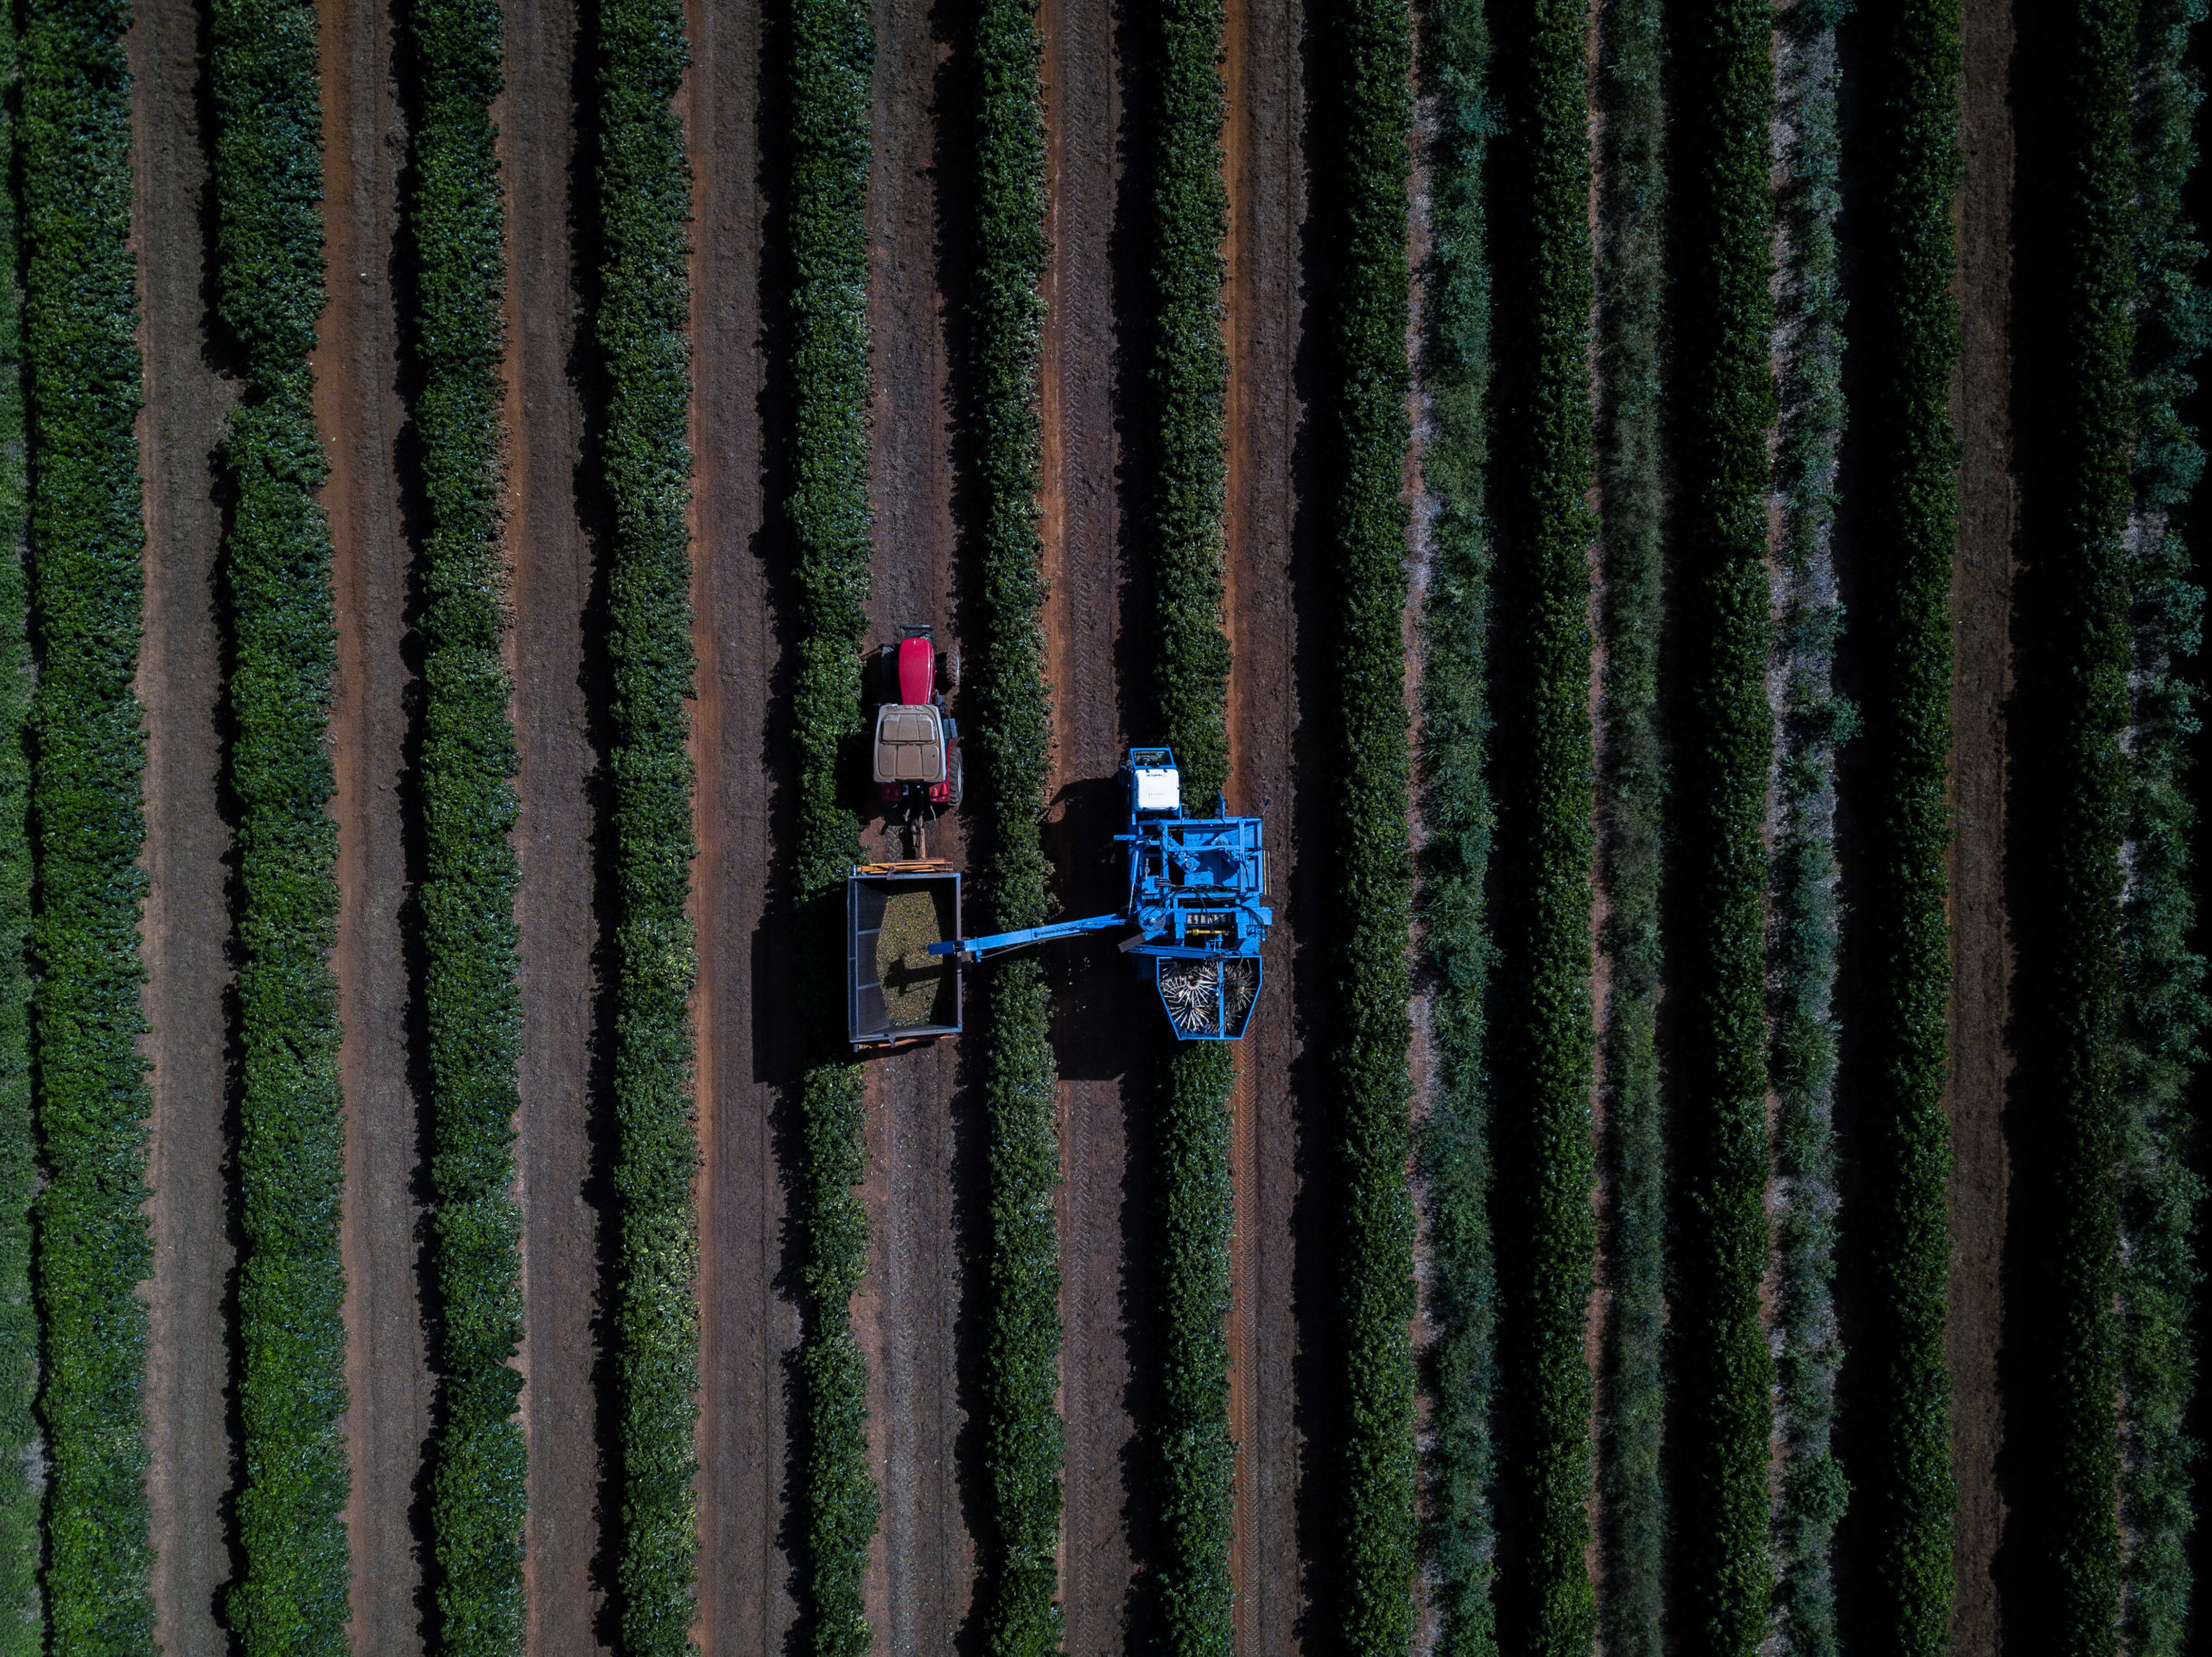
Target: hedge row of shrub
[2074,288]
[1010,732]
[1361,178]
[1811,718]
[1454,1147]
[2163,1006]
[1906,324]
[644,335]
[833,58]
[1720,408]
[1188,375]
[1630,289]
[22,1609]
[292,1594]
[86,536]
[1542,766]
[467,768]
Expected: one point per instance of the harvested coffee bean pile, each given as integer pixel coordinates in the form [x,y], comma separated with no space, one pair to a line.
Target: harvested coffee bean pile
[916,986]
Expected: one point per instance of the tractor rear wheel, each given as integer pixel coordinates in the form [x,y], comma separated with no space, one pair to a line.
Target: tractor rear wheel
[952,775]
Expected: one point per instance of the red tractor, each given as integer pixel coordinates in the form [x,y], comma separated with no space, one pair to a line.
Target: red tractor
[916,765]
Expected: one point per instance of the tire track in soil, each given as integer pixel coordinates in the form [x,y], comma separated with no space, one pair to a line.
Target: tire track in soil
[550,558]
[1099,1017]
[1981,949]
[191,1460]
[1264,172]
[742,1006]
[923,1127]
[361,418]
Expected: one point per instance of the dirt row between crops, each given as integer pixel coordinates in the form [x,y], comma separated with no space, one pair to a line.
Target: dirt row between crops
[363,425]
[552,503]
[1981,962]
[191,1454]
[1274,603]
[741,1009]
[1093,624]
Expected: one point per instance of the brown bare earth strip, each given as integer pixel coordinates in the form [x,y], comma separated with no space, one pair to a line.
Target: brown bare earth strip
[742,1006]
[1266,181]
[548,553]
[1100,1015]
[190,1457]
[1981,610]
[908,1314]
[359,413]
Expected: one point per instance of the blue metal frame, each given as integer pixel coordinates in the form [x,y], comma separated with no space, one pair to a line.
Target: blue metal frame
[1194,891]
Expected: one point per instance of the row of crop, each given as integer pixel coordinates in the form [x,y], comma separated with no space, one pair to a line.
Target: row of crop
[2072,300]
[2163,1008]
[86,536]
[1810,719]
[1540,761]
[1188,373]
[643,330]
[22,1611]
[1906,323]
[1630,284]
[1024,1440]
[832,61]
[465,769]
[292,1594]
[1720,407]
[1365,118]
[1453,377]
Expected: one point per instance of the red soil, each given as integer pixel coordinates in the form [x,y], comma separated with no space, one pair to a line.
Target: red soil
[188,930]
[741,1007]
[359,413]
[1265,173]
[550,557]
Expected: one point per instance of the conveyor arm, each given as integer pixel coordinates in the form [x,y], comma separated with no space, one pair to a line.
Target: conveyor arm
[971,949]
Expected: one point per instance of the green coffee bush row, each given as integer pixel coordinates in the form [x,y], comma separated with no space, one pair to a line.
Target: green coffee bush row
[2161,1002]
[1540,764]
[1455,806]
[1361,180]
[86,536]
[1802,938]
[2075,451]
[1630,288]
[292,1595]
[643,329]
[1720,408]
[22,1609]
[833,57]
[1008,732]
[1188,373]
[466,768]
[1906,323]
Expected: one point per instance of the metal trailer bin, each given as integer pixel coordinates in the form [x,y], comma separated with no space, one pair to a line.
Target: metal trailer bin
[878,1014]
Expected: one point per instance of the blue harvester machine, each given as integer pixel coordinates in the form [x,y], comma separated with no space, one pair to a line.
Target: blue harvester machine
[1195,885]
[1194,898]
